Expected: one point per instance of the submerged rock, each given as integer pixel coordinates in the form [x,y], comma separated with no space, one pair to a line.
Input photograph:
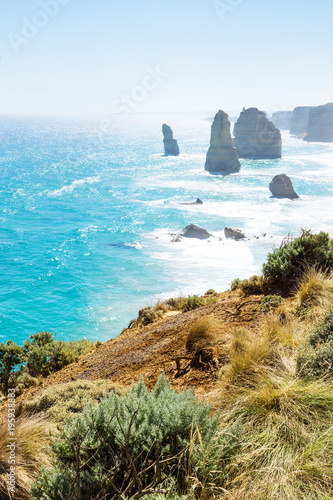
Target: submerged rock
[299,120]
[222,157]
[196,202]
[235,234]
[320,124]
[256,137]
[282,119]
[170,144]
[193,231]
[282,187]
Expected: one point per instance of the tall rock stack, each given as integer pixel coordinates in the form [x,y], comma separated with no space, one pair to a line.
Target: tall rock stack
[170,144]
[320,124]
[299,120]
[256,137]
[222,157]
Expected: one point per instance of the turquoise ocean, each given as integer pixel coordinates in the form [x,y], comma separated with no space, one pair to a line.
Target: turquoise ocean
[88,207]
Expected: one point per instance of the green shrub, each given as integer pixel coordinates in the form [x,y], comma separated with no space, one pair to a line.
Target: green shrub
[191,302]
[211,291]
[130,443]
[149,315]
[45,355]
[11,356]
[270,302]
[287,263]
[315,358]
[249,286]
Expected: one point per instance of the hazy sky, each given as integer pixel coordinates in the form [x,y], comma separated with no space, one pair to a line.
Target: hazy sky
[99,56]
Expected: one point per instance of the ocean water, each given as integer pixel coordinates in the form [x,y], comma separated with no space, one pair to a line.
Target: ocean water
[88,208]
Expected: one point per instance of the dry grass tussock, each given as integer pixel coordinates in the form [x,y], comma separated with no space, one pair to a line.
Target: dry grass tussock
[200,340]
[31,452]
[315,288]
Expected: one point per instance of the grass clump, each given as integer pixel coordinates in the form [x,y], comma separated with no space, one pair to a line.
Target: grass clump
[286,264]
[32,439]
[200,341]
[134,444]
[62,401]
[287,449]
[149,315]
[249,286]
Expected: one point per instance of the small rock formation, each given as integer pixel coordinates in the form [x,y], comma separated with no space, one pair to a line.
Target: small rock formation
[170,144]
[320,124]
[234,234]
[299,120]
[222,157]
[193,231]
[256,137]
[196,202]
[282,119]
[282,187]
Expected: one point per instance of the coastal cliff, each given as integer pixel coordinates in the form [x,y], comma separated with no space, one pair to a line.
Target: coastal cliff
[299,120]
[170,144]
[320,124]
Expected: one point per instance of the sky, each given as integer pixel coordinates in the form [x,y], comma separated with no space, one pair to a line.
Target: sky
[70,57]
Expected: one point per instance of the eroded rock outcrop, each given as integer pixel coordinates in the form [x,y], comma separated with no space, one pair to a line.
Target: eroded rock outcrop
[234,234]
[222,157]
[282,187]
[193,231]
[256,137]
[299,120]
[320,124]
[170,144]
[282,119]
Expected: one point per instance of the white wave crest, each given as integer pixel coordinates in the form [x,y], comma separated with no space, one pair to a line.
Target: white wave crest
[70,187]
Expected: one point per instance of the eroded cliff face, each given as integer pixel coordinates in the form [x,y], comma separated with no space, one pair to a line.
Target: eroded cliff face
[222,157]
[256,137]
[320,124]
[299,120]
[170,144]
[282,119]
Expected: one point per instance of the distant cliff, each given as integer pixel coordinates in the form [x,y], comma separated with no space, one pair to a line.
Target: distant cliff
[170,144]
[320,124]
[299,120]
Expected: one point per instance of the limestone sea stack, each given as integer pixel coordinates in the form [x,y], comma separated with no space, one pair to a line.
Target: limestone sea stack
[299,120]
[282,187]
[170,144]
[256,137]
[282,119]
[320,124]
[222,157]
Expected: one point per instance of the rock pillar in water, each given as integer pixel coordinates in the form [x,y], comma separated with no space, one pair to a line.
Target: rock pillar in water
[170,144]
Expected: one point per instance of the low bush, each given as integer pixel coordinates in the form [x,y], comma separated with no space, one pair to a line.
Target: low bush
[149,315]
[270,302]
[62,401]
[286,264]
[11,356]
[249,286]
[131,444]
[315,358]
[192,302]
